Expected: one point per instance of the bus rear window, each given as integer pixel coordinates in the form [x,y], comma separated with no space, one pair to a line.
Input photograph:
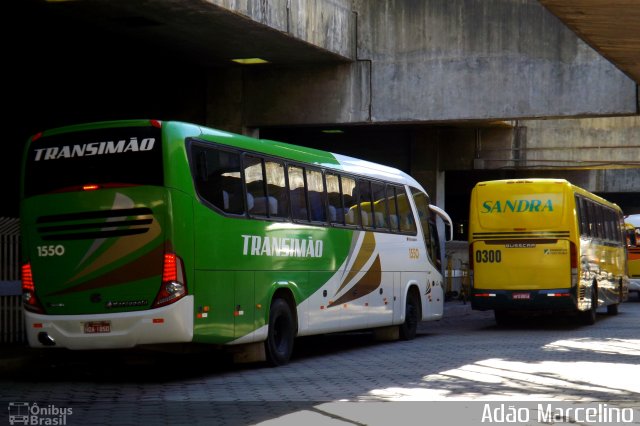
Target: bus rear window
[102,157]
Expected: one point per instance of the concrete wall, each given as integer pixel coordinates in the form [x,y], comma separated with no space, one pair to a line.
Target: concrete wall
[490,59]
[442,60]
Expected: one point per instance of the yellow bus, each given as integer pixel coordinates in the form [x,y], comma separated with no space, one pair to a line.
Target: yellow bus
[633,246]
[545,245]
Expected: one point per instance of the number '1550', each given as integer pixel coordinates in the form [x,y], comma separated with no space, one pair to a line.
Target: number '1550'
[51,250]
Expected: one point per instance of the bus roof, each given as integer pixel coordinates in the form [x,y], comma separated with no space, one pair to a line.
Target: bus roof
[318,157]
[283,150]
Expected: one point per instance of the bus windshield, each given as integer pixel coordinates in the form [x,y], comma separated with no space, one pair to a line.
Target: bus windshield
[121,156]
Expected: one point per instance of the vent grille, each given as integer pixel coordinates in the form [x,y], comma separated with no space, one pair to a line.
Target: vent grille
[88,225]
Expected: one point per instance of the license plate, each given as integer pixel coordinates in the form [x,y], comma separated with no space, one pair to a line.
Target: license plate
[521,296]
[97,327]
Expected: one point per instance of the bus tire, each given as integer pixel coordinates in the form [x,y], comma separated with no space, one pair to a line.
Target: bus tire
[280,336]
[588,317]
[409,327]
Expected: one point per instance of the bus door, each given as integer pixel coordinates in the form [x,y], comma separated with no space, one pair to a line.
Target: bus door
[433,295]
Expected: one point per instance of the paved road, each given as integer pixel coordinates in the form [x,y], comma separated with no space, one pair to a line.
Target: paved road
[343,379]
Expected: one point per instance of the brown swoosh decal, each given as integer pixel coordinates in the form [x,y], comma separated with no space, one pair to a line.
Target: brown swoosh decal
[145,266]
[366,250]
[367,284]
[121,248]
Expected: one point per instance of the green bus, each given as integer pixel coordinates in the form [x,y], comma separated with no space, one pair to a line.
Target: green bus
[141,232]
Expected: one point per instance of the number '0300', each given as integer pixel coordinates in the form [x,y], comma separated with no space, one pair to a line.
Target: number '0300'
[488,256]
[51,250]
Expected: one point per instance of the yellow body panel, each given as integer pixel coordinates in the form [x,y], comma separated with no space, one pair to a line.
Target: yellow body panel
[516,269]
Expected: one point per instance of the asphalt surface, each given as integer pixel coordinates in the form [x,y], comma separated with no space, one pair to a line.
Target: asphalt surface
[454,367]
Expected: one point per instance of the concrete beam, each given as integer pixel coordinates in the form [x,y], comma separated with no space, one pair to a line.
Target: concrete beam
[551,144]
[326,94]
[325,24]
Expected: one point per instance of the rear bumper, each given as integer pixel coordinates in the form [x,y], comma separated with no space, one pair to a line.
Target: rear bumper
[538,300]
[169,324]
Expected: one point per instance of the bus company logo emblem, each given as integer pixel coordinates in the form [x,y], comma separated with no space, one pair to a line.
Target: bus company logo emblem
[517,206]
[94,148]
[25,413]
[125,303]
[254,245]
[555,251]
[520,245]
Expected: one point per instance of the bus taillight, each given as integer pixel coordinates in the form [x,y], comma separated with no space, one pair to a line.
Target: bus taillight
[174,285]
[90,187]
[29,298]
[574,263]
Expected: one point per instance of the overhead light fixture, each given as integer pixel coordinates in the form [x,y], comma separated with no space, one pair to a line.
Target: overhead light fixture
[250,61]
[333,131]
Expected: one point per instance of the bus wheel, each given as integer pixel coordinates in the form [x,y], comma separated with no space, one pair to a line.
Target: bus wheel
[279,343]
[412,312]
[613,309]
[589,317]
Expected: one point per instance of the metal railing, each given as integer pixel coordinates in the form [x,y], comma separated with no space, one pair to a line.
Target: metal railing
[11,316]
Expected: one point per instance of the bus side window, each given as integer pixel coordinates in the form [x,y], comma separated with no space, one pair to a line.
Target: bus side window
[407,223]
[380,214]
[394,218]
[298,194]
[336,211]
[366,203]
[217,178]
[350,201]
[591,215]
[315,186]
[610,224]
[581,213]
[254,181]
[276,189]
[600,221]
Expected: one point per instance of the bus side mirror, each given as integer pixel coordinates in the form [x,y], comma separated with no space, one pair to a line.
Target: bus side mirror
[445,217]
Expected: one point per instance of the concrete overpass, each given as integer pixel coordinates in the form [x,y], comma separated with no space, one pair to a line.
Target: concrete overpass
[612,27]
[448,90]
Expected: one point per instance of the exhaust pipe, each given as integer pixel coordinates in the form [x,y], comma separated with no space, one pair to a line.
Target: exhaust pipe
[45,339]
